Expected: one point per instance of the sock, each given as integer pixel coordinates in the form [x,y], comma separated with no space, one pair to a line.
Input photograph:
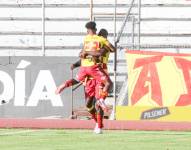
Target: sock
[100,121]
[94,117]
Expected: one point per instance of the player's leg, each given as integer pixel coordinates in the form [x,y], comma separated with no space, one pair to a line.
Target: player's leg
[100,114]
[99,74]
[91,108]
[100,99]
[66,84]
[90,94]
[79,78]
[96,112]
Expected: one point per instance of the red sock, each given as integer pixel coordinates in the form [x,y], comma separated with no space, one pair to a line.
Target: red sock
[100,121]
[68,83]
[94,117]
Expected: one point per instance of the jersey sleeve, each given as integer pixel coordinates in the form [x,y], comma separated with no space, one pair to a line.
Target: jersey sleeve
[104,41]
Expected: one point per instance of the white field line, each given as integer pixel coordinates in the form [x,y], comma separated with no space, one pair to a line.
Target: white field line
[49,117]
[17,132]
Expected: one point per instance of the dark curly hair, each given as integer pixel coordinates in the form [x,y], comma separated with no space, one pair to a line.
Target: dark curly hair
[103,32]
[91,25]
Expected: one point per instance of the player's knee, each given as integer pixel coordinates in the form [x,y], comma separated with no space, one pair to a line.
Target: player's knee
[88,105]
[91,108]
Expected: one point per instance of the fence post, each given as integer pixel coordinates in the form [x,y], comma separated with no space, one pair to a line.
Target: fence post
[43,27]
[139,23]
[132,32]
[115,63]
[91,10]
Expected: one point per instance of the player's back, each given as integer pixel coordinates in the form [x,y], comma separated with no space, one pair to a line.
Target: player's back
[92,43]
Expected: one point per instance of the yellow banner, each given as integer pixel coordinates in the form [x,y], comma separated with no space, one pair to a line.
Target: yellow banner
[159,87]
[158,79]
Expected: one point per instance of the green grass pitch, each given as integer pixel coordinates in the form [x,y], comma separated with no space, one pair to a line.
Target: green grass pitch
[43,139]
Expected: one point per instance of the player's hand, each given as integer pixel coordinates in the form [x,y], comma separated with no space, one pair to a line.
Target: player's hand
[83,54]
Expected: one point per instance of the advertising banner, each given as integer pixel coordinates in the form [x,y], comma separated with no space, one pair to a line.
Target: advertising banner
[28,84]
[159,85]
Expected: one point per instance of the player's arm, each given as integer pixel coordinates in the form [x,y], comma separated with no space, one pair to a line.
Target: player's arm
[99,53]
[76,64]
[66,84]
[107,45]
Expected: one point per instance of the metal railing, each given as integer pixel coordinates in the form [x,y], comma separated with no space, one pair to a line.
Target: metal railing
[115,56]
[99,17]
[138,45]
[42,19]
[87,5]
[124,22]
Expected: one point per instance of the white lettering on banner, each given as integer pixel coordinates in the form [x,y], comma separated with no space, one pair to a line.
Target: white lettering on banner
[23,64]
[20,83]
[19,88]
[8,86]
[44,81]
[43,90]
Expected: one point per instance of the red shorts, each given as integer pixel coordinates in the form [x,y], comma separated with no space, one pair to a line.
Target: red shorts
[95,72]
[93,88]
[90,88]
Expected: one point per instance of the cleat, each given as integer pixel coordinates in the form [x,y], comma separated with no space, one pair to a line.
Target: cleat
[68,83]
[96,127]
[98,131]
[59,90]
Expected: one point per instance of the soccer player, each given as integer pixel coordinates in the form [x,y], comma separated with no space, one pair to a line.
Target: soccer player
[99,86]
[90,62]
[93,88]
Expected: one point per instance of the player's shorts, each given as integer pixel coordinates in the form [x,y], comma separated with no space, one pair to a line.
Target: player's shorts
[95,72]
[90,88]
[93,88]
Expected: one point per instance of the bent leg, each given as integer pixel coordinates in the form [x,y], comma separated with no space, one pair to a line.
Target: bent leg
[66,84]
[90,100]
[100,76]
[90,104]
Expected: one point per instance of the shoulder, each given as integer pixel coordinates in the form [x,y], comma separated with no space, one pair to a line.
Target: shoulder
[101,38]
[86,37]
[104,40]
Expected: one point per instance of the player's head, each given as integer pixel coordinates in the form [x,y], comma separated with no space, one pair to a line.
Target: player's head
[91,27]
[103,32]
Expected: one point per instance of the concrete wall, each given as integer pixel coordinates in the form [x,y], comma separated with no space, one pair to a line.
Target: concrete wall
[78,26]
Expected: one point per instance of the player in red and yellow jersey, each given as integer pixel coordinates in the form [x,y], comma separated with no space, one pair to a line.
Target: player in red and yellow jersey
[93,88]
[90,60]
[97,85]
